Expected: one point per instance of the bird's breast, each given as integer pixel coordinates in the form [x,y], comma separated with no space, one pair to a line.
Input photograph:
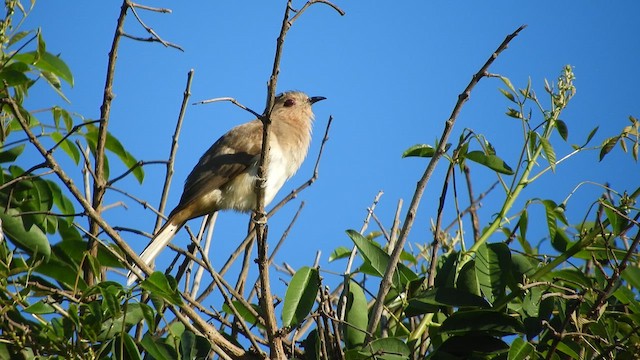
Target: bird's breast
[240,194]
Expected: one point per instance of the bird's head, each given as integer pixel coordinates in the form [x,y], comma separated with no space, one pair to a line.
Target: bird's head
[294,103]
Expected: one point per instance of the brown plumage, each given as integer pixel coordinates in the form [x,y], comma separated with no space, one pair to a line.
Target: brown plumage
[224,177]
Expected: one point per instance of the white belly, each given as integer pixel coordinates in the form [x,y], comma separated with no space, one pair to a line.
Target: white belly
[240,193]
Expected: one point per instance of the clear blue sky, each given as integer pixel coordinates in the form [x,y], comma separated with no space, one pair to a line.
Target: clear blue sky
[391,72]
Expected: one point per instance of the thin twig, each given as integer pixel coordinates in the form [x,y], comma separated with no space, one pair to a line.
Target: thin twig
[147,28]
[365,224]
[204,253]
[231,100]
[475,222]
[395,227]
[140,163]
[438,235]
[285,234]
[99,188]
[149,8]
[71,132]
[27,175]
[475,204]
[153,39]
[174,149]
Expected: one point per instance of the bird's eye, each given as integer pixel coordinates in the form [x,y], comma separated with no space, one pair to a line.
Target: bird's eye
[289,102]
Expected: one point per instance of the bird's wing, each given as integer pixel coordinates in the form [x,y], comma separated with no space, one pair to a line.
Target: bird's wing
[228,157]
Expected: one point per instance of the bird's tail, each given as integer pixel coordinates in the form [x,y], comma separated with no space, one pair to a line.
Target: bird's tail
[162,238]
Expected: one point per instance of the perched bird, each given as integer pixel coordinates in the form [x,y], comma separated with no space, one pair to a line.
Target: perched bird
[225,176]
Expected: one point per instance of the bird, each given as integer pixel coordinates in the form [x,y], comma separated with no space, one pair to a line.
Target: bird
[224,178]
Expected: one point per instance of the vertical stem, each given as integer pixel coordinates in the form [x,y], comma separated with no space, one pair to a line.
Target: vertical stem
[266,299]
[99,187]
[174,149]
[435,246]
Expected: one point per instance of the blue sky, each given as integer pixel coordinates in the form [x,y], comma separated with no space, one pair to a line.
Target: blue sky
[391,72]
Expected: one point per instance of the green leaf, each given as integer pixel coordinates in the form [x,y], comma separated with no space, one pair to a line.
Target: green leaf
[60,113]
[532,300]
[523,224]
[157,348]
[149,316]
[470,346]
[55,84]
[13,75]
[188,345]
[67,146]
[562,128]
[65,273]
[386,349]
[523,265]
[566,348]
[493,162]
[570,278]
[340,252]
[245,313]
[18,36]
[446,275]
[311,346]
[379,259]
[591,135]
[300,297]
[487,321]
[110,301]
[129,347]
[158,284]
[112,326]
[435,297]
[357,316]
[549,152]
[193,346]
[42,47]
[420,150]
[60,201]
[507,94]
[40,308]
[12,154]
[47,62]
[521,350]
[468,280]
[127,159]
[29,238]
[511,112]
[632,276]
[618,222]
[627,297]
[551,216]
[508,83]
[608,145]
[493,266]
[112,144]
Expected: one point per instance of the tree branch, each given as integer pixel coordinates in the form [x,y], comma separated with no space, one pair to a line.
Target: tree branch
[385,284]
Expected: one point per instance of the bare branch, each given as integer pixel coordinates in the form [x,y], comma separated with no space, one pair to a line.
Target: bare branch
[174,149]
[231,100]
[155,36]
[153,39]
[149,8]
[140,163]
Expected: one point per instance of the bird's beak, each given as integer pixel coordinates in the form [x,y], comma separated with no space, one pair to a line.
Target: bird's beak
[315,99]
